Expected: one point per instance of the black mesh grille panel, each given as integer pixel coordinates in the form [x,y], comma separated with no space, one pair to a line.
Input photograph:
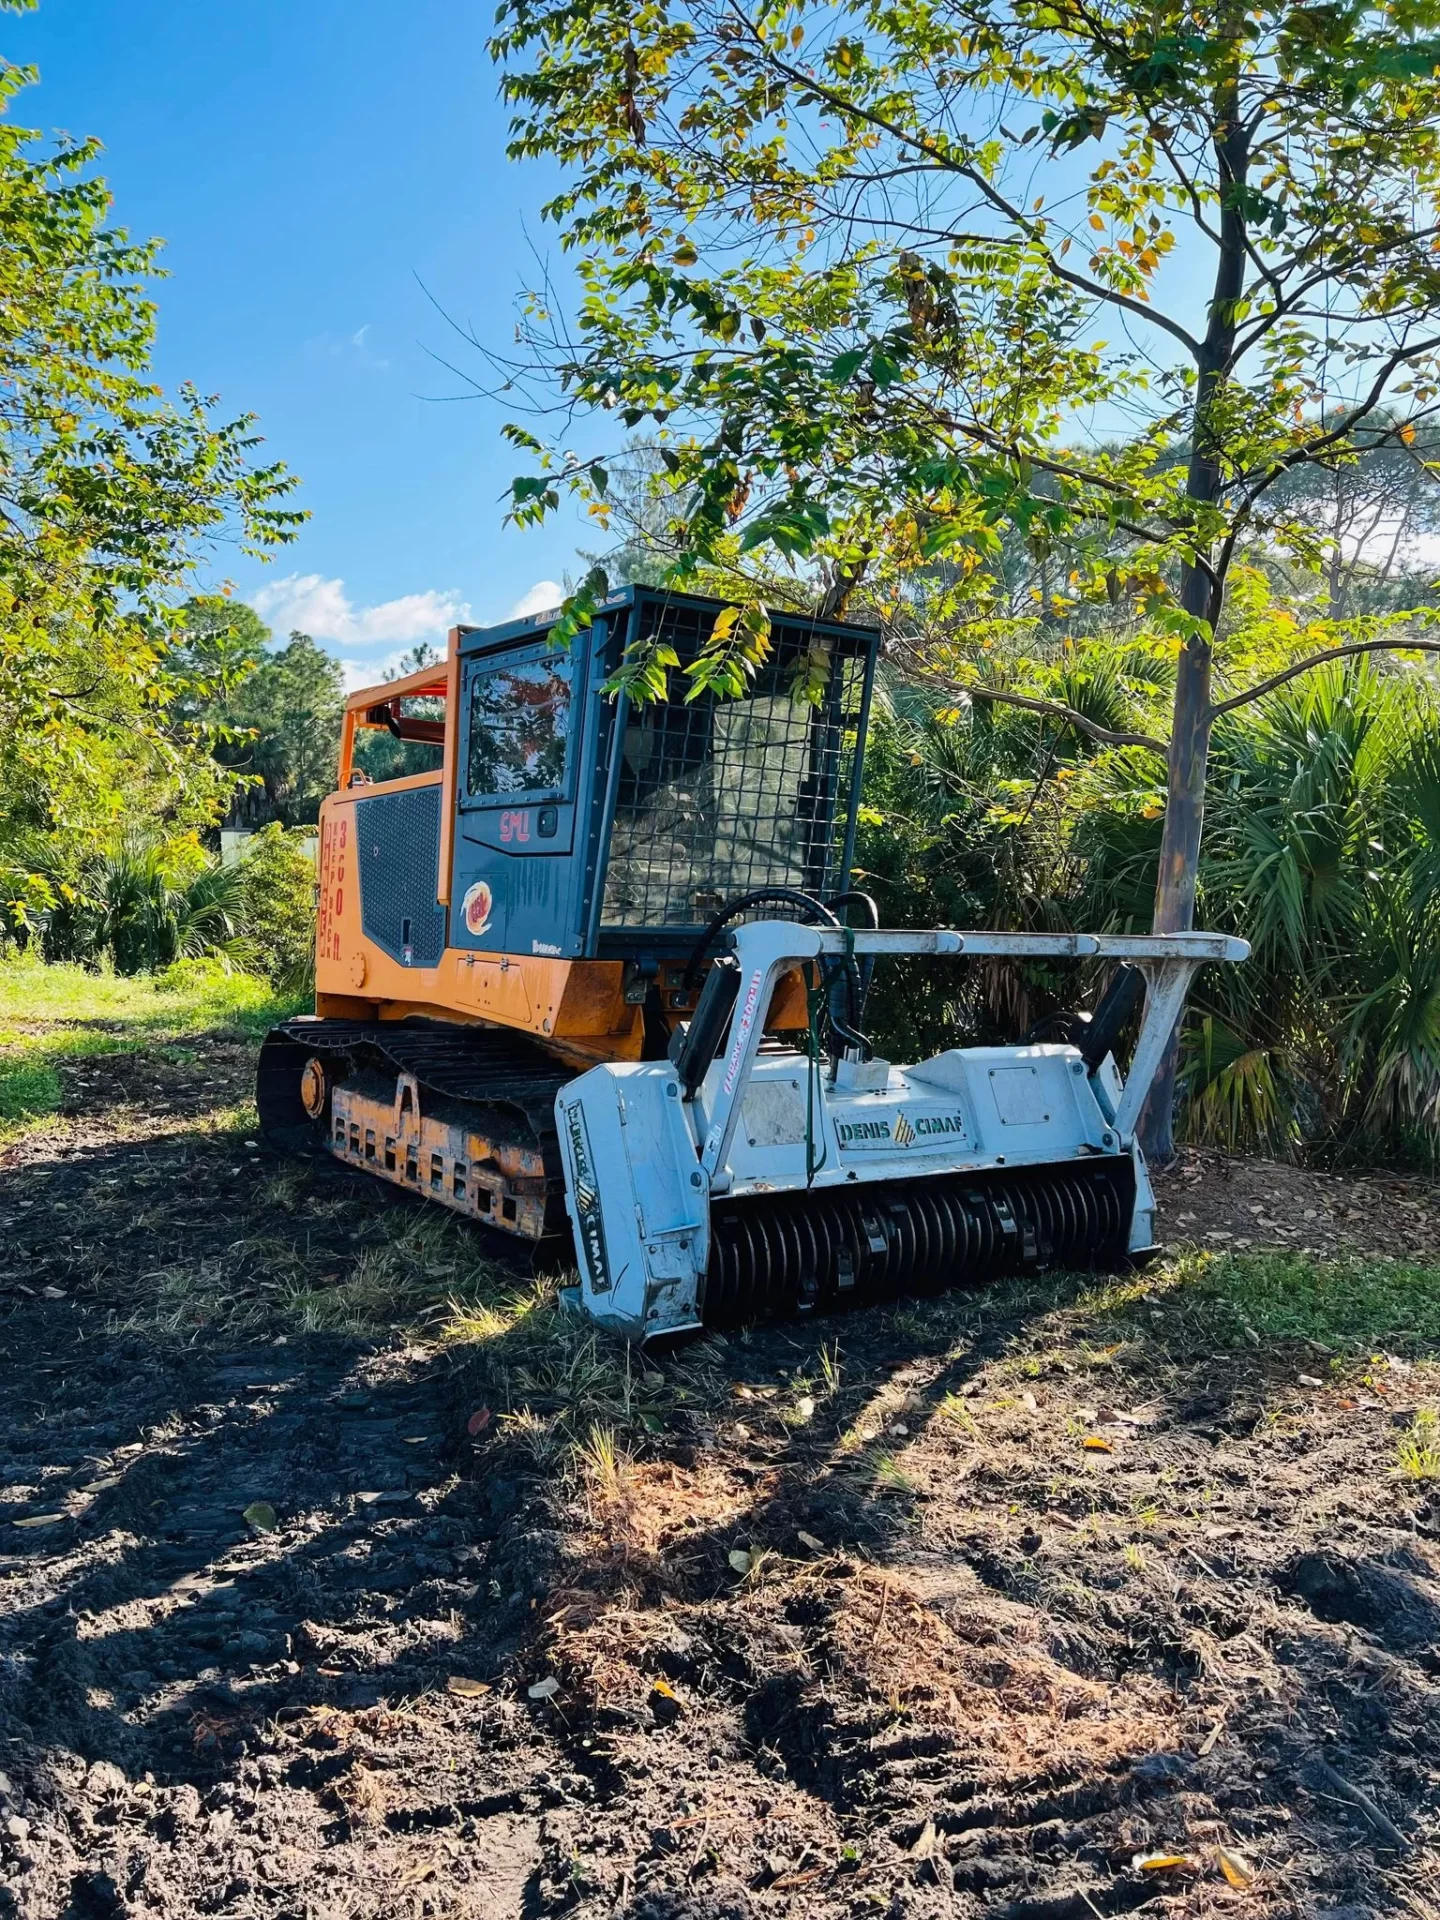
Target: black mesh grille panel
[717,796]
[398,835]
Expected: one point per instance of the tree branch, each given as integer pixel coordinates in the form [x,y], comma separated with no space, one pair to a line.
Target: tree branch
[1050,709]
[1308,452]
[1318,660]
[967,170]
[1057,710]
[977,430]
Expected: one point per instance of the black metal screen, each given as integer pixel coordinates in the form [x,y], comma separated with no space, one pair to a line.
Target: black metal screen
[716,796]
[397,838]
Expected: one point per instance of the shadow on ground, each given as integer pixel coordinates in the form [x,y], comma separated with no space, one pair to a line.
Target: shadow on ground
[960,1608]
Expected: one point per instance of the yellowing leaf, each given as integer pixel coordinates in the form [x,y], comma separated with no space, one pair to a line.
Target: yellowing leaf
[664,1688]
[1407,433]
[1158,1862]
[1236,1869]
[41,1520]
[467,1688]
[1096,1443]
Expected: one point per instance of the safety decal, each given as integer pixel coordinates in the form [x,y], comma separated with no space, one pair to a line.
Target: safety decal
[477,907]
[742,1029]
[590,1224]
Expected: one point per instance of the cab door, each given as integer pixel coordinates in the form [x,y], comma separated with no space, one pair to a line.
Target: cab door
[514,889]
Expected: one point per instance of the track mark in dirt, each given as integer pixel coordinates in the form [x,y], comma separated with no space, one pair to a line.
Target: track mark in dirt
[970,1669]
[217,1711]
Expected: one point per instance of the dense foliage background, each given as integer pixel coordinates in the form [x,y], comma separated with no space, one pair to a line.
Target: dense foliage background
[1021,768]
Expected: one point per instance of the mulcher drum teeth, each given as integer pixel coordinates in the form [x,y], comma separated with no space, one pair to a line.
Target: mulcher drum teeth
[776,1255]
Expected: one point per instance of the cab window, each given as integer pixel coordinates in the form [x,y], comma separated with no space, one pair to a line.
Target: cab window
[519,727]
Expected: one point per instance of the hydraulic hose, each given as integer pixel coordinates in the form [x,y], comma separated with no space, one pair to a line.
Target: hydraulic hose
[844,1031]
[858,978]
[812,909]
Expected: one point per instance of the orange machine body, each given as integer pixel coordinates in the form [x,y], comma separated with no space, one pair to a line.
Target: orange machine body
[577,1009]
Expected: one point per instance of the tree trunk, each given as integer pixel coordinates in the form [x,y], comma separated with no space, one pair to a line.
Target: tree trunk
[1202,595]
[1179,863]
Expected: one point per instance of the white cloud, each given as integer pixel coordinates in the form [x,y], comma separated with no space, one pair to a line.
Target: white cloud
[369,673]
[352,348]
[540,598]
[310,603]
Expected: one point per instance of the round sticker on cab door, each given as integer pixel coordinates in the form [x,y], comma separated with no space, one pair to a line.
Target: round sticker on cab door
[476,907]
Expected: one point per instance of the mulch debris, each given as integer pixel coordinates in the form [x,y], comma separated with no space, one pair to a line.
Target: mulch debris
[886,1635]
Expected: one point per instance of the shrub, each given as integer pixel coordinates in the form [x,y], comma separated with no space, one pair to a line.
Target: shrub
[278,880]
[1322,848]
[143,902]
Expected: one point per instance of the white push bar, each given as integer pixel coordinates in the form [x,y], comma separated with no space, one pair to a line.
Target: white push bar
[1137,947]
[764,949]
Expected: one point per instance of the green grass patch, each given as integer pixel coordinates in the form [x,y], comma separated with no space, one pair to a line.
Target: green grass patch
[30,1085]
[192,997]
[28,1091]
[1417,1454]
[50,1016]
[1351,1304]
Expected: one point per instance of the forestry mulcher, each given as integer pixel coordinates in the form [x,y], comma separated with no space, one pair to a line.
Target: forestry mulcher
[590,961]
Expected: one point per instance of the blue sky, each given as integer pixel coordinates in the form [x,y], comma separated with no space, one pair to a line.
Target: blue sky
[309,163]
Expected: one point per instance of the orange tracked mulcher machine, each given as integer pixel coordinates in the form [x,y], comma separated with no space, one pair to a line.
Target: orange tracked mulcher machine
[591,964]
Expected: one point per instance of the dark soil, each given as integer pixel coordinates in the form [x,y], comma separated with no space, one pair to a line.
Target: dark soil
[968,1608]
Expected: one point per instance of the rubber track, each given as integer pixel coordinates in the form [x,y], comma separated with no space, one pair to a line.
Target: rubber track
[477,1064]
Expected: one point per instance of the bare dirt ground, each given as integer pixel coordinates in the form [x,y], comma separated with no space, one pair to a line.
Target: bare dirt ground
[1055,1601]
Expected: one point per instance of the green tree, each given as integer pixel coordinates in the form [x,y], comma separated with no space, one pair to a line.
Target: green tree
[272,715]
[219,642]
[868,271]
[111,494]
[1374,511]
[283,725]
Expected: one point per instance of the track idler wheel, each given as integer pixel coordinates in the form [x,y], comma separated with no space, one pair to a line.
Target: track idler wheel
[292,1094]
[776,1255]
